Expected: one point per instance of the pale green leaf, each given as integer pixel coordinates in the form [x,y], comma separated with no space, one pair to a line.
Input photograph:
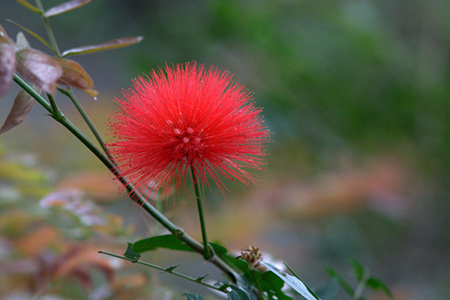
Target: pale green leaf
[29,6]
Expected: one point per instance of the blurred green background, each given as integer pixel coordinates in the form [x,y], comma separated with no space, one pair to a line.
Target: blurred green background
[356,94]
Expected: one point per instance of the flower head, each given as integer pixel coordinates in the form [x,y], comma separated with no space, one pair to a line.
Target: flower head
[184,117]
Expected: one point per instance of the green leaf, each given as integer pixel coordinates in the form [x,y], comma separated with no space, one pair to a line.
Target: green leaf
[359,270]
[131,254]
[29,6]
[294,282]
[190,296]
[333,274]
[167,241]
[114,44]
[37,36]
[376,284]
[23,103]
[65,7]
[272,284]
[237,294]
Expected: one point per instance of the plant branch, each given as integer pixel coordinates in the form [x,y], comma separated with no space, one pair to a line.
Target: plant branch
[69,93]
[167,270]
[133,192]
[49,30]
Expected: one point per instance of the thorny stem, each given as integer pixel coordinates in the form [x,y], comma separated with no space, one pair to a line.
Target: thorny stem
[196,280]
[207,254]
[133,192]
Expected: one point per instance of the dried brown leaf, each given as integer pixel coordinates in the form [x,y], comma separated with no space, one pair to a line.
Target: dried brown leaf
[7,65]
[114,44]
[75,76]
[39,68]
[29,6]
[65,7]
[21,107]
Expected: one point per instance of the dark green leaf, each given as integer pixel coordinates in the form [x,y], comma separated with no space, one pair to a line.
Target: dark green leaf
[39,68]
[21,107]
[167,241]
[193,296]
[131,254]
[37,36]
[237,294]
[114,44]
[272,284]
[29,6]
[294,282]
[377,284]
[219,250]
[65,7]
[7,65]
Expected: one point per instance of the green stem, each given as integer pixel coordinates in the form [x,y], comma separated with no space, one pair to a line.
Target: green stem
[49,30]
[207,254]
[196,280]
[133,192]
[69,93]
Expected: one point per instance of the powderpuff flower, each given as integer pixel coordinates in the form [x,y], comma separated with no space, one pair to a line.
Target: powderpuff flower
[183,117]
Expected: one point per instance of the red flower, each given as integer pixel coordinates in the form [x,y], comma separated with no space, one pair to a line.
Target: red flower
[186,116]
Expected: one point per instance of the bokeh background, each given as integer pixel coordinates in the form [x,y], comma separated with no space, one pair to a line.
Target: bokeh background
[356,94]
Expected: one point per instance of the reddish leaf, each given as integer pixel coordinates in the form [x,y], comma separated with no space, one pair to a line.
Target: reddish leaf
[118,43]
[3,34]
[39,68]
[74,75]
[65,7]
[7,65]
[21,107]
[29,6]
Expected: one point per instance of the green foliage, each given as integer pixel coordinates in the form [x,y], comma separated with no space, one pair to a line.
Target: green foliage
[190,296]
[364,280]
[294,282]
[131,254]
